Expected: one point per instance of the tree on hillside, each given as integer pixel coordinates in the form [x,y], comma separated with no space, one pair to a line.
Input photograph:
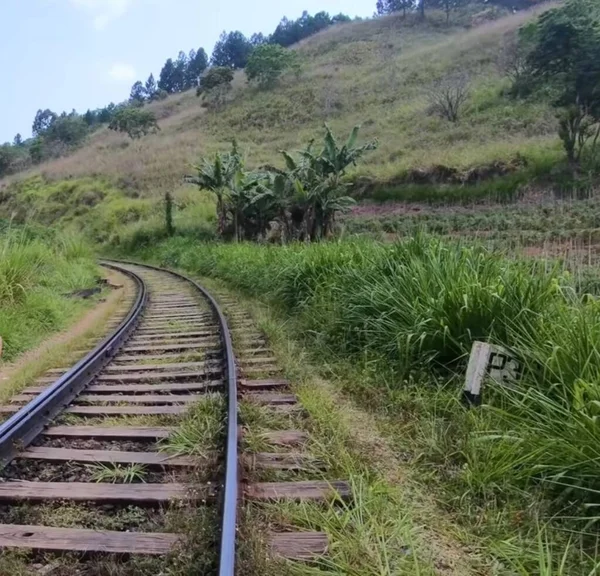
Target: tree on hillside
[90,118]
[68,130]
[18,140]
[42,121]
[513,60]
[7,157]
[290,32]
[137,97]
[150,88]
[214,86]
[391,6]
[106,114]
[178,78]
[135,122]
[257,39]
[448,97]
[566,61]
[447,6]
[197,64]
[167,80]
[268,62]
[232,50]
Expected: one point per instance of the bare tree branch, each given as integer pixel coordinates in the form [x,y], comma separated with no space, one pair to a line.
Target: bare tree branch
[448,96]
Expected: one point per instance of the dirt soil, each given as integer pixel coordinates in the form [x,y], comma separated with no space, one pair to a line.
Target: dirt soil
[530,198]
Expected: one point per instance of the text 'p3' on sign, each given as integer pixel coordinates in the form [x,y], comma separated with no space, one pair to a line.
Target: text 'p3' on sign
[493,362]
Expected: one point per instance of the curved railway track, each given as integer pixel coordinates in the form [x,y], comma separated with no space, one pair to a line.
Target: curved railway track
[66,437]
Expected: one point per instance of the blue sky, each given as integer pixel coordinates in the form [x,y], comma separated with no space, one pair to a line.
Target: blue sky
[65,54]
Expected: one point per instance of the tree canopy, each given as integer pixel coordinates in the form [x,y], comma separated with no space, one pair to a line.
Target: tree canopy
[268,62]
[565,62]
[135,122]
[232,50]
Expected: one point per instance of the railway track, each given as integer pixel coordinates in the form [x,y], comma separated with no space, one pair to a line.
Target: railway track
[94,440]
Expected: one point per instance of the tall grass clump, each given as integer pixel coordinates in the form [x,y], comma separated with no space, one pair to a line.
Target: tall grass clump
[36,277]
[417,304]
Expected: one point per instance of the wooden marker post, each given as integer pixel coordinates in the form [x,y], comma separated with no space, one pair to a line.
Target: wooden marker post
[491,361]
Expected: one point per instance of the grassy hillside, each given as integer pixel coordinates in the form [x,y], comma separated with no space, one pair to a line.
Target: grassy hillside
[375,73]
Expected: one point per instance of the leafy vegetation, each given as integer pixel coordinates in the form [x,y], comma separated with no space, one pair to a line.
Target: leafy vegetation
[117,473]
[564,60]
[215,85]
[304,200]
[268,62]
[134,122]
[201,431]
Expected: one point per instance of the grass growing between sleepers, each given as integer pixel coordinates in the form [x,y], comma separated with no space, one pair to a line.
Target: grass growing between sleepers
[198,433]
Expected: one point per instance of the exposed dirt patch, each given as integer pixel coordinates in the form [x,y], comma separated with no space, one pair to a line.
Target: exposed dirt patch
[534,197]
[440,174]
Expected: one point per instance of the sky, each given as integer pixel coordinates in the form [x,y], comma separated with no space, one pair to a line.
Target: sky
[65,54]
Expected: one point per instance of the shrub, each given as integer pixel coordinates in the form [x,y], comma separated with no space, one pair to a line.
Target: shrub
[136,122]
[215,85]
[268,62]
[448,97]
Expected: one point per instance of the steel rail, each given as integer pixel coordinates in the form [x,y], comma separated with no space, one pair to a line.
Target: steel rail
[26,424]
[227,555]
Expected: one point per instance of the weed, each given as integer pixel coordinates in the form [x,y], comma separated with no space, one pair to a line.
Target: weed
[117,474]
[201,429]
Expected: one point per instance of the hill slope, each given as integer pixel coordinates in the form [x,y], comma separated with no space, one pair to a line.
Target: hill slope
[375,73]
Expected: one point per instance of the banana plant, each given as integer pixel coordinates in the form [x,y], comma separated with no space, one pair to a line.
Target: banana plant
[318,180]
[216,175]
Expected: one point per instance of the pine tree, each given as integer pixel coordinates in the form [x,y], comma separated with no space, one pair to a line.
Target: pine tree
[179,72]
[197,64]
[150,87]
[166,80]
[89,117]
[138,94]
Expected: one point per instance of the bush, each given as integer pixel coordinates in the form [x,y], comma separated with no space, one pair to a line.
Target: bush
[215,85]
[268,62]
[136,122]
[448,97]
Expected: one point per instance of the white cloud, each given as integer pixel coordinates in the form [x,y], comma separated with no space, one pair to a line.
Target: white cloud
[122,72]
[103,12]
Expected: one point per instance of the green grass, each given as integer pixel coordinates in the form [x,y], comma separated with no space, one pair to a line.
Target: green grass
[404,316]
[118,474]
[200,431]
[395,524]
[36,277]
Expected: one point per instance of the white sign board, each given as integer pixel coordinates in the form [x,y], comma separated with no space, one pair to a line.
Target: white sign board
[491,361]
